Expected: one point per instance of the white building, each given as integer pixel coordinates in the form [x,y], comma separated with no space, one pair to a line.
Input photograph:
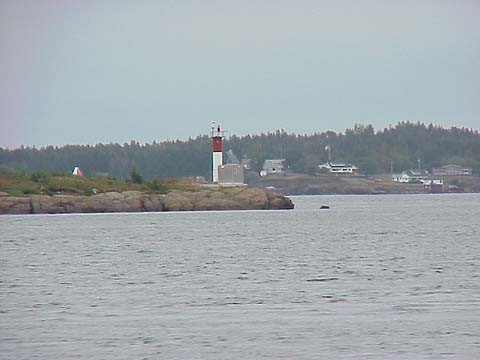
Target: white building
[339,168]
[273,166]
[410,176]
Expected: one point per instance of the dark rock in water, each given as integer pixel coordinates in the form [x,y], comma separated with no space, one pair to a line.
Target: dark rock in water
[322,279]
[323,207]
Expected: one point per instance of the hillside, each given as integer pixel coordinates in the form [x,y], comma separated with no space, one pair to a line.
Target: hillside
[374,152]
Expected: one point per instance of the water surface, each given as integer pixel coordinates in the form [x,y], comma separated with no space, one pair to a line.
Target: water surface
[374,277]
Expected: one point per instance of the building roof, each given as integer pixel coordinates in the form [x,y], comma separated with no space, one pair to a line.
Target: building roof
[413,173]
[450,166]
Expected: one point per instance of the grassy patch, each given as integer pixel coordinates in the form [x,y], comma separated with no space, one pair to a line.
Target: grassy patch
[17,183]
[20,184]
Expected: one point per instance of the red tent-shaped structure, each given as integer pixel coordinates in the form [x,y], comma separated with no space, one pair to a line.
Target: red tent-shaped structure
[77,171]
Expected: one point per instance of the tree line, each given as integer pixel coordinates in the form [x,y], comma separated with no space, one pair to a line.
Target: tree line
[396,147]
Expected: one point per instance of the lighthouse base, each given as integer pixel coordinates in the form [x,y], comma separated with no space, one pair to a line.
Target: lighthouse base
[217,160]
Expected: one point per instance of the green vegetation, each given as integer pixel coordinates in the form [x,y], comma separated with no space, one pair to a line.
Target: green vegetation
[136,177]
[374,152]
[21,184]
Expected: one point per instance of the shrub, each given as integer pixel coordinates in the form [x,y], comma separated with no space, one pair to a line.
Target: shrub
[136,177]
[40,177]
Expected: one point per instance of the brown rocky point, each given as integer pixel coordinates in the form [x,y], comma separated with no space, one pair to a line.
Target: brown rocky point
[136,201]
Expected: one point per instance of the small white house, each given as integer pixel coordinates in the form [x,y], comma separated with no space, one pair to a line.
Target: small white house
[402,178]
[273,166]
[410,176]
[339,168]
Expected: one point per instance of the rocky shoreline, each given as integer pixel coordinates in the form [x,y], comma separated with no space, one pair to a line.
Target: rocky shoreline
[136,201]
[301,184]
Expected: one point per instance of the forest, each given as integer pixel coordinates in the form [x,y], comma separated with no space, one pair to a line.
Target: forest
[374,152]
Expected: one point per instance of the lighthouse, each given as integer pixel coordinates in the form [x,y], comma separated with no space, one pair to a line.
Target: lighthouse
[217,154]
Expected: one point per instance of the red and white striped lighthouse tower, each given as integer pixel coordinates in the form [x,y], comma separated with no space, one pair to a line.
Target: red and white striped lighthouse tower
[217,154]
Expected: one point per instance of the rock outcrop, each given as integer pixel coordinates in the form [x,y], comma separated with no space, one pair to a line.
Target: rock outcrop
[15,205]
[135,201]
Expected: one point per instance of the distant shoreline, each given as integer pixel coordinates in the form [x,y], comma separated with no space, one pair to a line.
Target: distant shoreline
[380,193]
[300,184]
[388,194]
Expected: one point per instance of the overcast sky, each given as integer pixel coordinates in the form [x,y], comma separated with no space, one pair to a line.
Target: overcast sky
[84,72]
